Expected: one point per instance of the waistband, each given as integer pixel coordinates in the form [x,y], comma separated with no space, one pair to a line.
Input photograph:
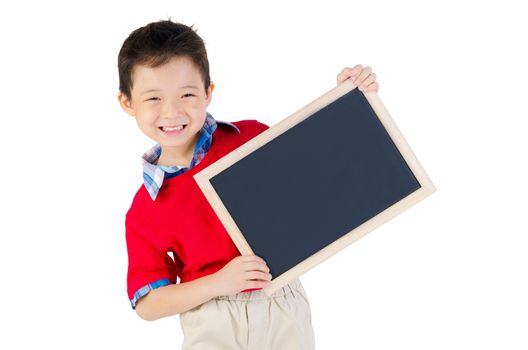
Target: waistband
[288,289]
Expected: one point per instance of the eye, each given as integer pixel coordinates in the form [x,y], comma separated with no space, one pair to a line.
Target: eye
[153,99]
[188,95]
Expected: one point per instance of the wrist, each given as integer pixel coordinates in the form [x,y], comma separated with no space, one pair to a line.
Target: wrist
[211,285]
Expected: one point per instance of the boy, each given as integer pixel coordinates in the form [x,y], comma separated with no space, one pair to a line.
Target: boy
[165,85]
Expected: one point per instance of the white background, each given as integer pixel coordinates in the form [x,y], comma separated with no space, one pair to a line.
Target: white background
[449,273]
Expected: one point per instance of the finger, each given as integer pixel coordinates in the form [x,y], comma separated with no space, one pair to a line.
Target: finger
[256,266]
[258,275]
[362,76]
[348,72]
[374,87]
[368,80]
[251,258]
[257,284]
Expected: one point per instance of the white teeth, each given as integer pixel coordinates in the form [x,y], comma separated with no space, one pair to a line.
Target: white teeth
[166,128]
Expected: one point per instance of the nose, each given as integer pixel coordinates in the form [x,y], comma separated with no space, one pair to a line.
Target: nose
[171,109]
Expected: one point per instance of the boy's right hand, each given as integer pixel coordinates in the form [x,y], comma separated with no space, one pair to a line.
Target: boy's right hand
[243,272]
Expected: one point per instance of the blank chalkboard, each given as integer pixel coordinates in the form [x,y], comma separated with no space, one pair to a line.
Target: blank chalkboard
[314,183]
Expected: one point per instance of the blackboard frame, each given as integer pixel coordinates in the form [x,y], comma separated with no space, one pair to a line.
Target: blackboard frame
[426,186]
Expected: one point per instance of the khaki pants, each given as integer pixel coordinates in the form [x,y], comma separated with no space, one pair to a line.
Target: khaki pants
[251,321]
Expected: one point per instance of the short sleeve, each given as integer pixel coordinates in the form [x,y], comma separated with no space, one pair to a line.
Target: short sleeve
[148,267]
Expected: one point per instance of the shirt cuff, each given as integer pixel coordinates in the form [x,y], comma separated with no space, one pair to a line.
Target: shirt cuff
[141,292]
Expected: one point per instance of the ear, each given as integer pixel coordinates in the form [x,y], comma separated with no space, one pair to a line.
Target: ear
[210,93]
[126,104]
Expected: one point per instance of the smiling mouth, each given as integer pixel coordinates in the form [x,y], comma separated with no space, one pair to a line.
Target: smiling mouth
[172,128]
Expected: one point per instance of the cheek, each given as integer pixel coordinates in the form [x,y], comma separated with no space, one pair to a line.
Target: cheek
[149,113]
[196,103]
[146,118]
[197,108]
[143,125]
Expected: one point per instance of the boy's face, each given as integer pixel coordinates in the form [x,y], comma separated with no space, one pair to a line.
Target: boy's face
[166,98]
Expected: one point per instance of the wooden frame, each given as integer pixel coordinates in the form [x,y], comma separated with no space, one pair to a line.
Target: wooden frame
[426,186]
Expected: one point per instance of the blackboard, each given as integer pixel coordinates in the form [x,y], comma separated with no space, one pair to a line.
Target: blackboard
[314,183]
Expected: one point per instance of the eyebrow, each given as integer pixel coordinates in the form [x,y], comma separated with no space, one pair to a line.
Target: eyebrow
[181,87]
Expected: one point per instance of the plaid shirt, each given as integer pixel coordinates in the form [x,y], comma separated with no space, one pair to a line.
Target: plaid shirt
[153,174]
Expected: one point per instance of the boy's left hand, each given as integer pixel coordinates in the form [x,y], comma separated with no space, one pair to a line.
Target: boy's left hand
[361,76]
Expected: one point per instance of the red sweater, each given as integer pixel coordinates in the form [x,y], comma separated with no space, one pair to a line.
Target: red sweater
[181,221]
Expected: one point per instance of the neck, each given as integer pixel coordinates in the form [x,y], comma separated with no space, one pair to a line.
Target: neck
[171,156]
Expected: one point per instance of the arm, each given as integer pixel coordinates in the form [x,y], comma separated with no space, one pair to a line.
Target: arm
[243,272]
[175,298]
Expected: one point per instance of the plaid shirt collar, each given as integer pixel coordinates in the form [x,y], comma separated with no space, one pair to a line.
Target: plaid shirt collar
[153,174]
